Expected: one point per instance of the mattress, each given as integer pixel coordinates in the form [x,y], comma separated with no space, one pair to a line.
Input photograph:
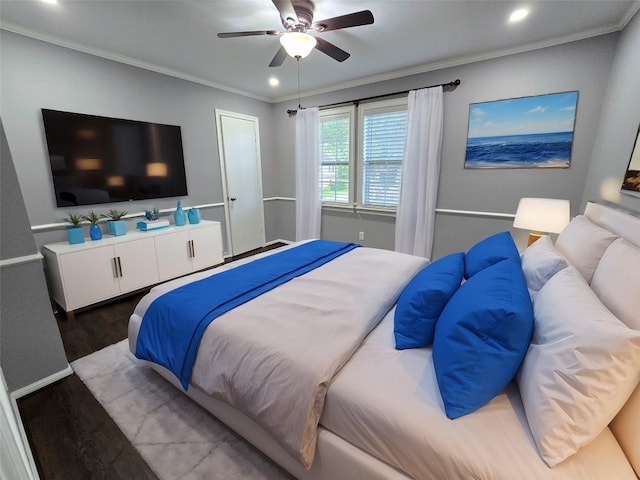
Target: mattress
[386,402]
[274,356]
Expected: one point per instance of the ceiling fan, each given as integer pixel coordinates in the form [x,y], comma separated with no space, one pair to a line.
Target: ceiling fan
[297,20]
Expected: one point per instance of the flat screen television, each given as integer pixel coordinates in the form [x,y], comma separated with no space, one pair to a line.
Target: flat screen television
[98,160]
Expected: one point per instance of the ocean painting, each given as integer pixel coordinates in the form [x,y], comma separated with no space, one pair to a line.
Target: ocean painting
[631,182]
[526,132]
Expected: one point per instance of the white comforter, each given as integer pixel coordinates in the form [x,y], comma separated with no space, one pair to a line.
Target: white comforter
[274,357]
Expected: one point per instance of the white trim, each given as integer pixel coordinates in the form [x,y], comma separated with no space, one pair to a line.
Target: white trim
[633,9]
[389,213]
[209,205]
[55,226]
[34,257]
[351,114]
[279,240]
[271,242]
[219,113]
[475,213]
[429,67]
[43,382]
[20,463]
[463,60]
[385,212]
[270,199]
[126,60]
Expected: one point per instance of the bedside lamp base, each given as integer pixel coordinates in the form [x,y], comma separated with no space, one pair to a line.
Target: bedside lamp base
[533,236]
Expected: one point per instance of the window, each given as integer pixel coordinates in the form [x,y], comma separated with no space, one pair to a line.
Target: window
[379,143]
[336,153]
[382,135]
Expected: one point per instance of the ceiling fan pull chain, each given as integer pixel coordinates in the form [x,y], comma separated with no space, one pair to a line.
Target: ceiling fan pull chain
[298,62]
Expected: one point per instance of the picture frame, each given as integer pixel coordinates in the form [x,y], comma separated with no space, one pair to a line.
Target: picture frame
[524,132]
[631,180]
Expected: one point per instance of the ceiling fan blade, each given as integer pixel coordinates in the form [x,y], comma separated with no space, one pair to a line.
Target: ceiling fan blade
[248,34]
[330,49]
[279,57]
[365,17]
[285,7]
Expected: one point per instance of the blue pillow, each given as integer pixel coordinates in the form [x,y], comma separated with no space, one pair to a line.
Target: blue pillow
[488,252]
[423,299]
[481,337]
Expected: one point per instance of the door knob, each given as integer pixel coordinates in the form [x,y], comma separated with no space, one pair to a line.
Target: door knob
[233,199]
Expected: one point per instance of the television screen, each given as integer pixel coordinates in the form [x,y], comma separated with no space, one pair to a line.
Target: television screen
[104,160]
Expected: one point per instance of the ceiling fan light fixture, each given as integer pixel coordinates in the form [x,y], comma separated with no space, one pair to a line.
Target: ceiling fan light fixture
[298,44]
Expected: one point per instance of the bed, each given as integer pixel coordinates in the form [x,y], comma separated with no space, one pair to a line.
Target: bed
[372,411]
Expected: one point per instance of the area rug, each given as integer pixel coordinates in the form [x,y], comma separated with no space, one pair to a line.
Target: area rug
[178,439]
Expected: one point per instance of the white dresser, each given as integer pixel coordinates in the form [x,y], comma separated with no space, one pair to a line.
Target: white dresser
[97,270]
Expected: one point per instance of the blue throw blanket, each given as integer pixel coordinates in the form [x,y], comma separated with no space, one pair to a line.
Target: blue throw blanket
[174,322]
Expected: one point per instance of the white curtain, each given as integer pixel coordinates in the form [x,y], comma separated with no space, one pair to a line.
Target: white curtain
[415,216]
[308,208]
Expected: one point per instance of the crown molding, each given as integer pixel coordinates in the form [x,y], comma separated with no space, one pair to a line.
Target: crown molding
[126,60]
[458,61]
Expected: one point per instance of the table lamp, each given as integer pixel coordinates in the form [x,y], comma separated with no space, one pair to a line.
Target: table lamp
[541,216]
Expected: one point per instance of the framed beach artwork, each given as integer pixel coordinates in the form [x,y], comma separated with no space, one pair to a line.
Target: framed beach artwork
[631,182]
[526,132]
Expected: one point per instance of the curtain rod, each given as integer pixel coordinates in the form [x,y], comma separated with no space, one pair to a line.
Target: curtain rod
[454,83]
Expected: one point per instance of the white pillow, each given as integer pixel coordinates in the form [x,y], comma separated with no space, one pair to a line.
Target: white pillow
[582,365]
[616,281]
[540,262]
[583,243]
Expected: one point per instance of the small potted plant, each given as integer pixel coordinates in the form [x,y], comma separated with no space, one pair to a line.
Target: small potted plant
[115,224]
[74,230]
[94,229]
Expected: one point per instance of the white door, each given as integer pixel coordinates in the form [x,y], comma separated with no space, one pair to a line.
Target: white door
[239,146]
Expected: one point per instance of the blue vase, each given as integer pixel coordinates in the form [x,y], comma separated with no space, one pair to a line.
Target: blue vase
[179,216]
[194,215]
[94,232]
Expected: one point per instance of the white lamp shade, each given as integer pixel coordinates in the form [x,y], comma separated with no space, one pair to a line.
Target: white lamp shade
[548,215]
[298,44]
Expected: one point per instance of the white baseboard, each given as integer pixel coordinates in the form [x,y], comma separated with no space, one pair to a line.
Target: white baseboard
[54,377]
[279,240]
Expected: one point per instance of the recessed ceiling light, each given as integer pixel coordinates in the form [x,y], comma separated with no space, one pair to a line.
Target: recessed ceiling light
[518,15]
[274,82]
[52,2]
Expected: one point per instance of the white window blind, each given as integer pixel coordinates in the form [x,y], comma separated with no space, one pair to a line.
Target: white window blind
[335,157]
[382,150]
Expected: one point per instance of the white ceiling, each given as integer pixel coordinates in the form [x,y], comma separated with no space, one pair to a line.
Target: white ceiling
[178,37]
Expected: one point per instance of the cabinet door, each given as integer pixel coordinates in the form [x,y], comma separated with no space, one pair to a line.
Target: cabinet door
[88,276]
[173,254]
[206,246]
[138,264]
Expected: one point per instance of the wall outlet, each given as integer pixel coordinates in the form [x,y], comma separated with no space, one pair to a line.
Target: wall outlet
[361,236]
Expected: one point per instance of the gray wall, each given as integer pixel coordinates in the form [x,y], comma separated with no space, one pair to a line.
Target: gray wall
[39,75]
[30,343]
[582,66]
[618,123]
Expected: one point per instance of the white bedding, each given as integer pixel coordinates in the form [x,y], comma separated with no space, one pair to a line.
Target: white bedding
[405,425]
[385,402]
[273,358]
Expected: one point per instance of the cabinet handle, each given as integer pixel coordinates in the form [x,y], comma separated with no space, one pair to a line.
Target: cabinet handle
[119,267]
[115,267]
[193,249]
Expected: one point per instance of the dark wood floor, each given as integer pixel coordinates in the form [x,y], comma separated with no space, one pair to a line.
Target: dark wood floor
[70,434]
